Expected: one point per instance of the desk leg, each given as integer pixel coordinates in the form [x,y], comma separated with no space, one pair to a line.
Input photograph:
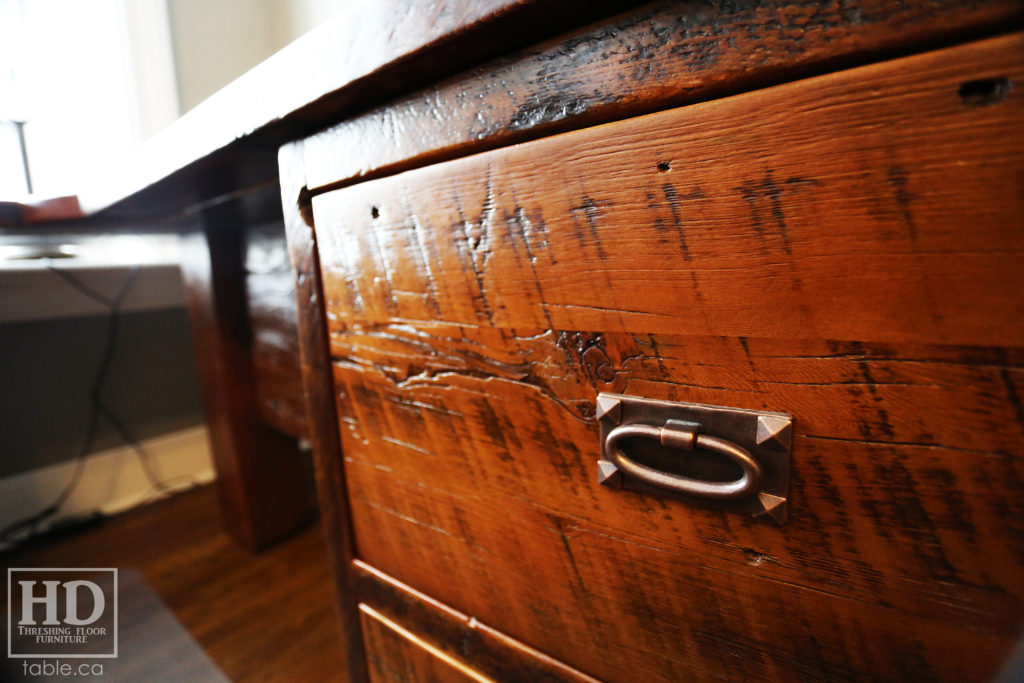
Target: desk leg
[261,476]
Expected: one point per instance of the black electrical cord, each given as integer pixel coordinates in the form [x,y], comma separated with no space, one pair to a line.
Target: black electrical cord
[28,526]
[95,394]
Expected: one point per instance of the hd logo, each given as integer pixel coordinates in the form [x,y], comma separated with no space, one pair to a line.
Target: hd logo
[62,613]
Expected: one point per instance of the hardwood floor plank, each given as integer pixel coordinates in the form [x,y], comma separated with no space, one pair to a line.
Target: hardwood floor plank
[260,617]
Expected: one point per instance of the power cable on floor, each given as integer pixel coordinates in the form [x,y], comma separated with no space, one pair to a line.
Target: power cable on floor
[22,529]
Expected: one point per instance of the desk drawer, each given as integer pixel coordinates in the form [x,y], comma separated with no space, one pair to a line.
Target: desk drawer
[409,636]
[845,249]
[396,655]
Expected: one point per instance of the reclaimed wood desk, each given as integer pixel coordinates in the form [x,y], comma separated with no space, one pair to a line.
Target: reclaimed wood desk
[212,176]
[508,219]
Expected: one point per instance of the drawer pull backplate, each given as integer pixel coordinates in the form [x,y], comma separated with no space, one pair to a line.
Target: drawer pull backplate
[751,444]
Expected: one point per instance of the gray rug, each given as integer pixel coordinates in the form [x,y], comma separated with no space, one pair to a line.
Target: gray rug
[153,647]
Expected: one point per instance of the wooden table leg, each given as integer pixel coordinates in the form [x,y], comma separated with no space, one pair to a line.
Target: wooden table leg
[261,476]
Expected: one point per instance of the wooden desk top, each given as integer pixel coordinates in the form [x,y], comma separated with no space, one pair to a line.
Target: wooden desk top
[367,54]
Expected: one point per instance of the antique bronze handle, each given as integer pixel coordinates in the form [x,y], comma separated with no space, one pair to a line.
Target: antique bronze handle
[757,441]
[684,436]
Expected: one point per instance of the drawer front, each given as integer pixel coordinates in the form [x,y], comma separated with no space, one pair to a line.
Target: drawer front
[409,636]
[396,655]
[845,249]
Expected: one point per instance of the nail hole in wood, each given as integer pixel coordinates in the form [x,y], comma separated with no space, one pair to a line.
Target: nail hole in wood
[375,212]
[985,91]
[664,166]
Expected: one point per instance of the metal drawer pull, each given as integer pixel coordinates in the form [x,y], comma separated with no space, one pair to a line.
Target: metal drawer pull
[755,441]
[684,436]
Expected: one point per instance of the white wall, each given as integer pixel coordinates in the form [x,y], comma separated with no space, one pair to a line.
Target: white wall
[302,16]
[95,78]
[216,41]
[92,79]
[153,68]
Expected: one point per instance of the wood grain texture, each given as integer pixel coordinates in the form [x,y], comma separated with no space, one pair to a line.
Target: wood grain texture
[836,207]
[842,248]
[261,474]
[658,56]
[320,407]
[488,652]
[471,466]
[270,293]
[396,655]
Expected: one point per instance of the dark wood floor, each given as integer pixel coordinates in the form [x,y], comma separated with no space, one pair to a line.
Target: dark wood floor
[260,617]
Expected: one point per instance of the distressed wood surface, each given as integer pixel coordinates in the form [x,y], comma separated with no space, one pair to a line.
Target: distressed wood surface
[655,57]
[845,249]
[321,415]
[489,652]
[261,475]
[471,466]
[270,294]
[880,203]
[396,655]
